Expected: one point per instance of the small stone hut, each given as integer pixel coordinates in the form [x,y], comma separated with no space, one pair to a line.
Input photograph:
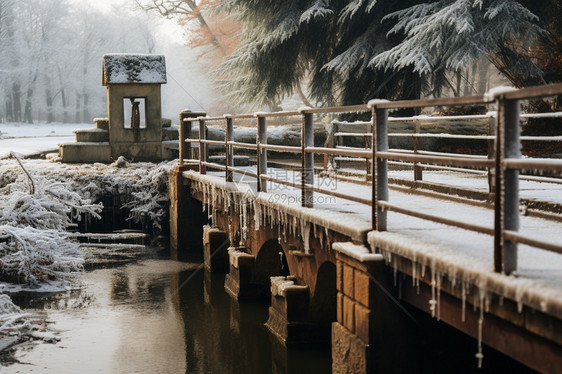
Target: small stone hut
[134,127]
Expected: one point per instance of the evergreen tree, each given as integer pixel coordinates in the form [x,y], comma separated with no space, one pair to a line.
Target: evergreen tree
[325,45]
[450,35]
[346,52]
[350,51]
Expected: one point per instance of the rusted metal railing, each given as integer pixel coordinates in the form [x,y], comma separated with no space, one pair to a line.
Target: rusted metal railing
[504,156]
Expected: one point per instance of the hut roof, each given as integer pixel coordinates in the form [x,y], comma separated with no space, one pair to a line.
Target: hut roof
[133,68]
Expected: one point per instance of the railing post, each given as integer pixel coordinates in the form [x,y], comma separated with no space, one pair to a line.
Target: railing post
[491,131]
[261,138]
[202,146]
[229,156]
[183,134]
[417,145]
[506,207]
[380,167]
[307,159]
[368,144]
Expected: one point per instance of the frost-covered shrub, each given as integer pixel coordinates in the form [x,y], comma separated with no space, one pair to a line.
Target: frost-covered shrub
[37,255]
[150,200]
[12,318]
[142,187]
[33,239]
[51,207]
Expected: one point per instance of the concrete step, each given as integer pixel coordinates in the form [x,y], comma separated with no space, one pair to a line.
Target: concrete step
[92,135]
[83,152]
[170,133]
[102,123]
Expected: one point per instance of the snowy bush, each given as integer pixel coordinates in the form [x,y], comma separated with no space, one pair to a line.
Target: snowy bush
[34,246]
[150,200]
[12,318]
[37,255]
[16,324]
[33,241]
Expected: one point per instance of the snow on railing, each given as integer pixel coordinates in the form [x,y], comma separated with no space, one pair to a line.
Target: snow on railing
[504,143]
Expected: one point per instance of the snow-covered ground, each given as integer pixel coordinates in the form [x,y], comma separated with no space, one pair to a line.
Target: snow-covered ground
[30,139]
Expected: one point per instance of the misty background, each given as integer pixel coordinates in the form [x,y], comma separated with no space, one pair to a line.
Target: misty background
[51,60]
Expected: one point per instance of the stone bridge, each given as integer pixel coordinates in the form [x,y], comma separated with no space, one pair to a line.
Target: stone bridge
[342,272]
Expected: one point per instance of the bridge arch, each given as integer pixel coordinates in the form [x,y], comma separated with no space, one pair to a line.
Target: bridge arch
[269,262]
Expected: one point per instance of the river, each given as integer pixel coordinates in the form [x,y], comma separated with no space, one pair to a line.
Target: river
[155,315]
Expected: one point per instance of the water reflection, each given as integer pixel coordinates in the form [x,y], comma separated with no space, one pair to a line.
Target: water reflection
[137,318]
[224,336]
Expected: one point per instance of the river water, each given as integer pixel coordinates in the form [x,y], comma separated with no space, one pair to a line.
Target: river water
[139,312]
[156,316]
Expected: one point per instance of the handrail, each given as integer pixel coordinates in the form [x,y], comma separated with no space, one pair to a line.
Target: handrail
[503,156]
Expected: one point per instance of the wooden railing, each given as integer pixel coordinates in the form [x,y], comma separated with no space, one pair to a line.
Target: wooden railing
[506,157]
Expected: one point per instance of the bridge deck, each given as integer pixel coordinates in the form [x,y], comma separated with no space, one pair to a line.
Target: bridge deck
[462,256]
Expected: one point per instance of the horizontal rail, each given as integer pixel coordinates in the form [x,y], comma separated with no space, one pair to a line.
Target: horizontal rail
[281,148]
[542,138]
[338,109]
[350,159]
[437,219]
[243,145]
[518,238]
[240,116]
[278,114]
[216,142]
[243,172]
[207,119]
[533,178]
[441,154]
[450,168]
[458,161]
[212,165]
[447,101]
[541,115]
[526,164]
[366,135]
[438,167]
[421,119]
[534,92]
[356,123]
[444,136]
[340,152]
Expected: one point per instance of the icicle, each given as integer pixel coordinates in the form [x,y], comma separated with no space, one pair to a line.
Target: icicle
[305,235]
[480,355]
[438,296]
[395,272]
[463,301]
[432,302]
[257,214]
[414,274]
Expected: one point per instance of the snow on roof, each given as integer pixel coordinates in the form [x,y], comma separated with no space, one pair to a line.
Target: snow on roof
[133,68]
